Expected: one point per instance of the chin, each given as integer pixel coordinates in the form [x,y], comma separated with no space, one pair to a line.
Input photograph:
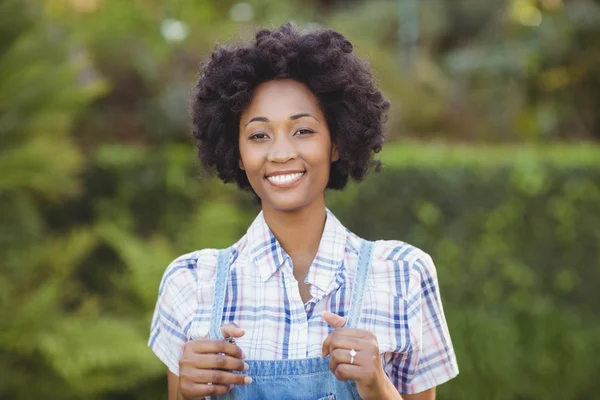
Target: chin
[286,202]
[291,199]
[284,205]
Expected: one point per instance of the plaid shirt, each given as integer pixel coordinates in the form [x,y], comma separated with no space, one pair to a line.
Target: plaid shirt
[401,305]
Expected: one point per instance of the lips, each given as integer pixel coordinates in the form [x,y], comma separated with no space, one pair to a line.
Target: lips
[285,179]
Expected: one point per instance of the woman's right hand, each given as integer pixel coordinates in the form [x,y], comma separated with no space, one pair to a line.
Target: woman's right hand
[205,365]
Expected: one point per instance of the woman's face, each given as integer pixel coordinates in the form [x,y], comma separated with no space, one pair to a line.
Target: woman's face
[285,146]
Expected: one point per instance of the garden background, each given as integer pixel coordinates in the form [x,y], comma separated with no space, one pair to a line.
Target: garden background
[492,165]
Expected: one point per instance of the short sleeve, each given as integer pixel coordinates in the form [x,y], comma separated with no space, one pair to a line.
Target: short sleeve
[431,360]
[174,310]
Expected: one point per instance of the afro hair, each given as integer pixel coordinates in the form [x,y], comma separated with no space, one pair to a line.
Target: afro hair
[323,60]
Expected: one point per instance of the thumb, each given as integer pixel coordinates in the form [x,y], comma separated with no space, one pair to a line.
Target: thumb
[232,330]
[333,319]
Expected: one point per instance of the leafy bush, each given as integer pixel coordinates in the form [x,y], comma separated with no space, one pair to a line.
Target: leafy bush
[39,163]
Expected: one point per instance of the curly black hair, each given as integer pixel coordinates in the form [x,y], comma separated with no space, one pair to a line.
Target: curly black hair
[323,60]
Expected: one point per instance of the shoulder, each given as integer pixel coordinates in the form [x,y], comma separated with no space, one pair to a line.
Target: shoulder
[399,251]
[400,267]
[189,270]
[197,268]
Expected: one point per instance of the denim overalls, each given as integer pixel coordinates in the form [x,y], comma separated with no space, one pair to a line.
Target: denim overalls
[301,379]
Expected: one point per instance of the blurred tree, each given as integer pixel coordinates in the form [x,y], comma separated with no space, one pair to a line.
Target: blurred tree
[39,96]
[487,71]
[54,337]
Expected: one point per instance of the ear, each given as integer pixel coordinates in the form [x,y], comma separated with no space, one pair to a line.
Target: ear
[241,164]
[334,153]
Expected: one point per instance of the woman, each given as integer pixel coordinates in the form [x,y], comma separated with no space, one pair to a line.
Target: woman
[309,310]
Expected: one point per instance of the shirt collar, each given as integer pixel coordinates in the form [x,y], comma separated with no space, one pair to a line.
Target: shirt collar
[330,256]
[269,256]
[265,250]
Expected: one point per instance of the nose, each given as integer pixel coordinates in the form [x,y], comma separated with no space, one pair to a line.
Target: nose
[282,150]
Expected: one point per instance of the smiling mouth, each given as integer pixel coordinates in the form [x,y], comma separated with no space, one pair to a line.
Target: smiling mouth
[285,180]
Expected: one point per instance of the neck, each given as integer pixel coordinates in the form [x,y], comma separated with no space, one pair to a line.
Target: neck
[299,232]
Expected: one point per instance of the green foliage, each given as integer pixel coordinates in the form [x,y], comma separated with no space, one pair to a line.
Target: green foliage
[515,235]
[99,187]
[488,71]
[39,98]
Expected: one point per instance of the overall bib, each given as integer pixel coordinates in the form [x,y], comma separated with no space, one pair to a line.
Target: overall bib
[297,379]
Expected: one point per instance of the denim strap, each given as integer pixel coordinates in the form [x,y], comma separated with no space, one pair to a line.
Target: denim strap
[358,288]
[219,297]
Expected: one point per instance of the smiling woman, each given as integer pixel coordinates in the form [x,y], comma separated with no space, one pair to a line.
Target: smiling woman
[309,309]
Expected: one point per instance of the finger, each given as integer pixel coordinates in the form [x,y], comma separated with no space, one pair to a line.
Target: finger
[346,372]
[215,376]
[363,347]
[232,330]
[342,356]
[326,344]
[347,343]
[346,332]
[357,333]
[196,391]
[214,361]
[333,320]
[205,346]
[227,330]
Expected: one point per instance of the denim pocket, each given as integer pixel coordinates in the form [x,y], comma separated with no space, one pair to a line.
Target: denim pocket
[330,396]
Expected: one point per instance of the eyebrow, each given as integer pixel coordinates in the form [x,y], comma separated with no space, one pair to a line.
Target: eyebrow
[293,117]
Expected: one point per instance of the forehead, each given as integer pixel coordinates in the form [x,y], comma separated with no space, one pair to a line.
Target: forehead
[281,98]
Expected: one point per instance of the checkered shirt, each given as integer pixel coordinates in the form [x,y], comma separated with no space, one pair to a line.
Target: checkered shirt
[401,305]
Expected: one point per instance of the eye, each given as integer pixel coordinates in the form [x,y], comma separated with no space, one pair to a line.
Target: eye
[304,131]
[258,136]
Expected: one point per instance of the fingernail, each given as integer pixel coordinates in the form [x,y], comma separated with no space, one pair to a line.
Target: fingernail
[247,380]
[246,366]
[243,355]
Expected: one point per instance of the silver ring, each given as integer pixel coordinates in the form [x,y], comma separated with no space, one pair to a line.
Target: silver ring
[352,355]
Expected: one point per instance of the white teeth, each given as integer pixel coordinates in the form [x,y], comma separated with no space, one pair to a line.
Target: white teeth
[285,178]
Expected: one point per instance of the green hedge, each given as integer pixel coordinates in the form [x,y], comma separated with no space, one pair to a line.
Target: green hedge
[515,234]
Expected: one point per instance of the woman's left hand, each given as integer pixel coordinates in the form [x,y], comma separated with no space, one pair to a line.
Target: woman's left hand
[366,369]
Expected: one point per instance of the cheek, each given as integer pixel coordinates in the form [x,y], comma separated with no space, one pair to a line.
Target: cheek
[321,156]
[252,163]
